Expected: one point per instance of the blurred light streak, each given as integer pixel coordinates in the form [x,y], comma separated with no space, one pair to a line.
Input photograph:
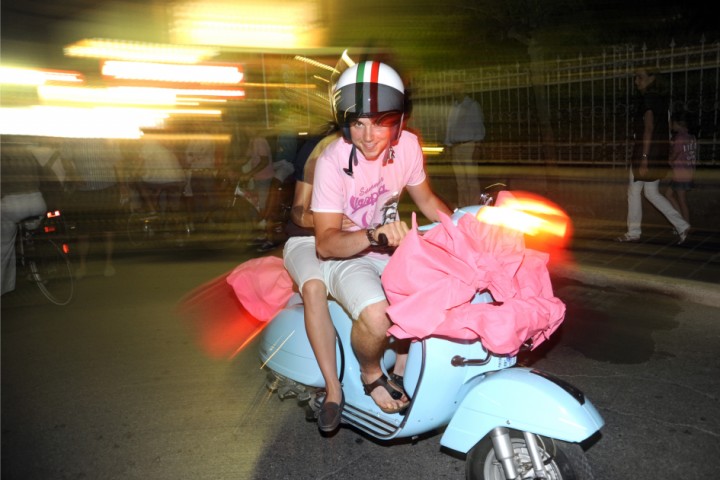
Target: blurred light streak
[221,324]
[165,72]
[527,213]
[299,86]
[314,63]
[139,51]
[243,23]
[148,96]
[165,136]
[70,122]
[107,96]
[277,349]
[433,150]
[29,76]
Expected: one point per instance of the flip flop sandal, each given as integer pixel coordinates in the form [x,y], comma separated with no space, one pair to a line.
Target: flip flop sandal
[398,381]
[393,391]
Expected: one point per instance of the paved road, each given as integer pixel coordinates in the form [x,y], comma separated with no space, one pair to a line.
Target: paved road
[114,386]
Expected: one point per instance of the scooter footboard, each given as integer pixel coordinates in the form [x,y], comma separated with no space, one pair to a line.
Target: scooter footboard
[522,399]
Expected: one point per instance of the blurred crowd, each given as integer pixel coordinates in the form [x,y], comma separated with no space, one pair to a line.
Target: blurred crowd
[98,182]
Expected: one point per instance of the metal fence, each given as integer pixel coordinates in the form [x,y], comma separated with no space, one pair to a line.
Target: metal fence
[589,102]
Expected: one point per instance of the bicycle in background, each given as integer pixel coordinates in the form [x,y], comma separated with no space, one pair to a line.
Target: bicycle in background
[42,253]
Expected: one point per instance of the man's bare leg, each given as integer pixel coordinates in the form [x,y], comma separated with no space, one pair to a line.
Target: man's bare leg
[369,341]
[321,333]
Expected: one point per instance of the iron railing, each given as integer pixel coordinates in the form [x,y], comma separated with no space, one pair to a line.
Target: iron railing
[589,102]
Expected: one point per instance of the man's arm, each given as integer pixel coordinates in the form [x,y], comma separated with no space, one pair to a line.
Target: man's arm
[426,200]
[649,123]
[300,213]
[330,239]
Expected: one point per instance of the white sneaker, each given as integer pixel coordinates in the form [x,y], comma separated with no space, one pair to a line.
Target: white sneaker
[683,236]
[625,238]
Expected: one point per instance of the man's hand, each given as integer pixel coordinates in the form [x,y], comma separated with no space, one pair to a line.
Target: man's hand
[394,232]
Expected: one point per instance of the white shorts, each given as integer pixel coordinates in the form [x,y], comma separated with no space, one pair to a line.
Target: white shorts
[301,260]
[355,282]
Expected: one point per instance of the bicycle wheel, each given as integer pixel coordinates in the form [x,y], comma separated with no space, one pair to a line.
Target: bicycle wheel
[139,229]
[50,270]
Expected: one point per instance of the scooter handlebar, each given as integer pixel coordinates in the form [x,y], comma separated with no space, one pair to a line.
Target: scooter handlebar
[382,240]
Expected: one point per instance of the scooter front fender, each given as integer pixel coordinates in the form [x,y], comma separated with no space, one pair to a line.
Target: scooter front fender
[522,399]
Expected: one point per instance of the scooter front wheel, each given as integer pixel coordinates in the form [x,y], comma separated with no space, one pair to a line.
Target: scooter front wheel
[562,460]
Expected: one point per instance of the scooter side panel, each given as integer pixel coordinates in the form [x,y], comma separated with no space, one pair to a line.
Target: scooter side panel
[285,348]
[518,399]
[434,384]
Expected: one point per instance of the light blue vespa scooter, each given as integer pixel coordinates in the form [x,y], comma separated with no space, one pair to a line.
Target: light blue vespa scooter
[512,422]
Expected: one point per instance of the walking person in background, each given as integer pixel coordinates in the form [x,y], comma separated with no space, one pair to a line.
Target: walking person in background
[651,131]
[465,130]
[162,177]
[21,198]
[201,169]
[95,165]
[683,157]
[257,173]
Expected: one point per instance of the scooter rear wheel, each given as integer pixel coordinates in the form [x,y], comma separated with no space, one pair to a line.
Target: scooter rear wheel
[563,461]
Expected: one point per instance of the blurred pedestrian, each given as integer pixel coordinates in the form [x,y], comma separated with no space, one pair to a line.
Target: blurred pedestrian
[683,157]
[258,170]
[95,166]
[53,175]
[651,131]
[201,172]
[20,198]
[257,173]
[161,175]
[465,131]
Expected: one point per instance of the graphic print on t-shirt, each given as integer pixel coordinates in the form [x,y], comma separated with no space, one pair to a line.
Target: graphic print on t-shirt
[369,199]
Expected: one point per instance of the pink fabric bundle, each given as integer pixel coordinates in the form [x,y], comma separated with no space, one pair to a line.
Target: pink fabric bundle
[432,278]
[262,285]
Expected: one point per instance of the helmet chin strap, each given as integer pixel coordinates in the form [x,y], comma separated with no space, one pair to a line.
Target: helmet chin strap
[352,160]
[389,158]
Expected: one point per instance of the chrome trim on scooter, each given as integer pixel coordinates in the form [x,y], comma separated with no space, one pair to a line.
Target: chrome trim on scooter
[368,423]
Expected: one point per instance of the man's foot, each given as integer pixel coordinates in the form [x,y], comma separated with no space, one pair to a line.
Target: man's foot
[683,236]
[389,397]
[330,415]
[626,238]
[398,380]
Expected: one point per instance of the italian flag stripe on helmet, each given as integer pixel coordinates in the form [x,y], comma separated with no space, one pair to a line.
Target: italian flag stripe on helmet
[374,78]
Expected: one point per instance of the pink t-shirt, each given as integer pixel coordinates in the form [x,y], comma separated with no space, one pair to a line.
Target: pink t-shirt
[370,197]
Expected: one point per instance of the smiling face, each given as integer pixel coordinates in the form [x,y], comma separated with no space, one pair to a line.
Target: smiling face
[372,137]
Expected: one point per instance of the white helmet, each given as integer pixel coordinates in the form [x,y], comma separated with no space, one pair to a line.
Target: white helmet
[367,89]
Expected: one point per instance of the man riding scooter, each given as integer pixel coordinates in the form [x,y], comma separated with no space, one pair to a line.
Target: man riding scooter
[362,176]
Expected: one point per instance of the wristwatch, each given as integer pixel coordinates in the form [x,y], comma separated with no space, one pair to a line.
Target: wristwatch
[370,233]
